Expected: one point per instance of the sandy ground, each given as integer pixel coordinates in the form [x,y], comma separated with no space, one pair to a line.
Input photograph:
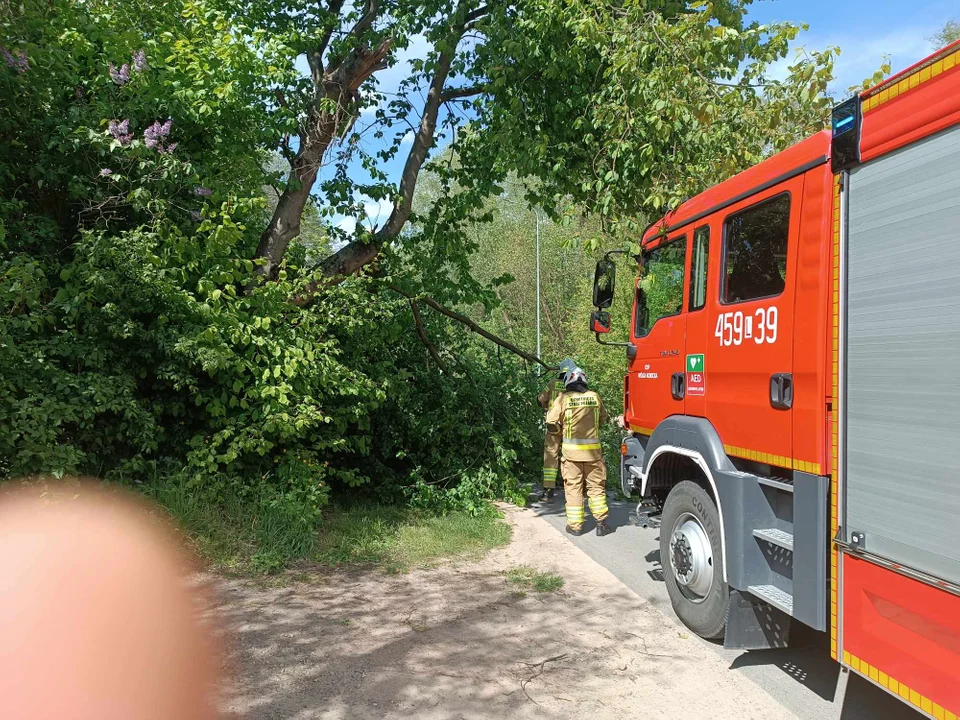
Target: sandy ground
[460,642]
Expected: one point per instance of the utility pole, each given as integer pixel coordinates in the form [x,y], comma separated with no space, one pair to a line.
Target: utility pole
[536,213]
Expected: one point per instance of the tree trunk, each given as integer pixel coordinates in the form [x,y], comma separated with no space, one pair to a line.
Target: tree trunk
[340,84]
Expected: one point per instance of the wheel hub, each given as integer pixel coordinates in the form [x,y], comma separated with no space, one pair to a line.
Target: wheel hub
[691,557]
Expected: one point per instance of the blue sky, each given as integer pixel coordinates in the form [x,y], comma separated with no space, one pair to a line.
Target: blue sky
[865,30]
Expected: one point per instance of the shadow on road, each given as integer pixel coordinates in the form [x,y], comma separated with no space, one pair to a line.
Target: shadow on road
[806,662]
[619,511]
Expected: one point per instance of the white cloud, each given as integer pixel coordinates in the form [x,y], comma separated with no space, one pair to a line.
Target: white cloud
[375,213]
[862,54]
[407,139]
[347,224]
[302,65]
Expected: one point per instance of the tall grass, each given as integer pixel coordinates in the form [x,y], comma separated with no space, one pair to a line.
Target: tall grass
[257,534]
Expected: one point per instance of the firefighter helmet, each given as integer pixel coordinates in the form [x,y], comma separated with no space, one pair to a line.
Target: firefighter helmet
[574,375]
[565,367]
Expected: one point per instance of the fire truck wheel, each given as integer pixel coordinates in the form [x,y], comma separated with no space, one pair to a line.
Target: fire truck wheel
[692,560]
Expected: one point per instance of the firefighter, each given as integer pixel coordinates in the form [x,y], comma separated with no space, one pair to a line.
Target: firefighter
[575,418]
[551,441]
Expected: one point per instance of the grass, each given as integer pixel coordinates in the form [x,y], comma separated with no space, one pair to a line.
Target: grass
[399,539]
[528,578]
[255,537]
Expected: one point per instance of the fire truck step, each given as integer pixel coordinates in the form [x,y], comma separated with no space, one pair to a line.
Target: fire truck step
[785,484]
[775,596]
[776,537]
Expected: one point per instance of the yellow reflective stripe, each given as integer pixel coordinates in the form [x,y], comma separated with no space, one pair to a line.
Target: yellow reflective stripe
[597,505]
[575,446]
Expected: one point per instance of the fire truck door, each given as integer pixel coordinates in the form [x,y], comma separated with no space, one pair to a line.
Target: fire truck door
[749,356]
[656,379]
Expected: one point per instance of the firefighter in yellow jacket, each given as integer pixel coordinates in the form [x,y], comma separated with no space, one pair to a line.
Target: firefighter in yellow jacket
[551,442]
[575,418]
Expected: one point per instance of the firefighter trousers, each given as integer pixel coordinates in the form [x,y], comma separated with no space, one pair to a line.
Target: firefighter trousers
[589,475]
[551,461]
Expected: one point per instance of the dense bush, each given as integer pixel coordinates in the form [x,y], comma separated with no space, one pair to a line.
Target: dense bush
[131,199]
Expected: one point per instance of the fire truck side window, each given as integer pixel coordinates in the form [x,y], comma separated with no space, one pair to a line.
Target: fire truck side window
[698,268]
[660,290]
[755,251]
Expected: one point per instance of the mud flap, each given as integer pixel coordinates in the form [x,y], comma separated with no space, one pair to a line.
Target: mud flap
[631,458]
[755,625]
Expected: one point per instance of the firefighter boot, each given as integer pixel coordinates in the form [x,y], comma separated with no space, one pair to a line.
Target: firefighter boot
[575,531]
[546,495]
[603,528]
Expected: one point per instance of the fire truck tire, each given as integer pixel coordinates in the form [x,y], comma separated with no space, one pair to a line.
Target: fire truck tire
[691,556]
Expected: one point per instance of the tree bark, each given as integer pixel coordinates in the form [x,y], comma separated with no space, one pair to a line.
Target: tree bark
[360,253]
[340,84]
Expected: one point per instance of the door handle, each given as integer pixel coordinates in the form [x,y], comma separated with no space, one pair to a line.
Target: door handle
[677,385]
[781,391]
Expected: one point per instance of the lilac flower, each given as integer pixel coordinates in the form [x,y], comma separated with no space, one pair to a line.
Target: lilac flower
[154,135]
[121,76]
[202,191]
[16,60]
[106,172]
[121,131]
[139,61]
[195,215]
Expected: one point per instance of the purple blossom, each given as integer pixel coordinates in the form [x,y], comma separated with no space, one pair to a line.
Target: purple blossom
[202,191]
[154,135]
[106,172]
[16,60]
[140,61]
[121,76]
[121,131]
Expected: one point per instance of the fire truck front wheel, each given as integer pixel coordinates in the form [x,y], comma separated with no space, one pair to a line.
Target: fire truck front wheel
[692,559]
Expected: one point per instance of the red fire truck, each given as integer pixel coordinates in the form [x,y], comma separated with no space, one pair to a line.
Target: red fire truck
[791,398]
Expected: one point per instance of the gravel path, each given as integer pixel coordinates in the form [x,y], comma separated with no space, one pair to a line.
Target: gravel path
[458,641]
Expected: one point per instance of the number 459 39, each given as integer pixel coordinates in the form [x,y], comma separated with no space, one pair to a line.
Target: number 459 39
[735,328]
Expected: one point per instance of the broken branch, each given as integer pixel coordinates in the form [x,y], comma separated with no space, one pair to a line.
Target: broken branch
[464,320]
[463,92]
[422,332]
[540,668]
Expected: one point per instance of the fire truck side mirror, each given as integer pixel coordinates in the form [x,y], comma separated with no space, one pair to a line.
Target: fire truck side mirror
[604,281]
[600,321]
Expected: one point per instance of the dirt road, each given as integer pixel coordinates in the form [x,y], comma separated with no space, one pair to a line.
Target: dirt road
[460,642]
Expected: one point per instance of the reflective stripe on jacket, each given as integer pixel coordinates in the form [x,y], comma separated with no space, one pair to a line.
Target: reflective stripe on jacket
[576,417]
[548,396]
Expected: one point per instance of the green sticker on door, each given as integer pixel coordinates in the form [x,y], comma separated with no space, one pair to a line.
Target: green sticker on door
[696,375]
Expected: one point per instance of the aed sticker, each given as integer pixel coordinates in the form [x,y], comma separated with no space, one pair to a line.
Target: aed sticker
[696,376]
